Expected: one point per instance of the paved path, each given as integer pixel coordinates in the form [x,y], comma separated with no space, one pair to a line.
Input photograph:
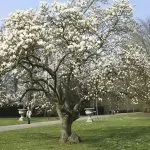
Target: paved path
[25,126]
[39,124]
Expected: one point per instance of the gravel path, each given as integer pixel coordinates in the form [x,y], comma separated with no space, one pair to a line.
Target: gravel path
[25,126]
[39,124]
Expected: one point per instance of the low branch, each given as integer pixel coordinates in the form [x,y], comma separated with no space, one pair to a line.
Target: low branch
[28,90]
[76,107]
[42,66]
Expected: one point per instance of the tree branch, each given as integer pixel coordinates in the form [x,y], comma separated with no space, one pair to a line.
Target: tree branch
[61,61]
[28,90]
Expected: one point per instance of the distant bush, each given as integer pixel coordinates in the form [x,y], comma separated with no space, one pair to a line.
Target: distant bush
[9,111]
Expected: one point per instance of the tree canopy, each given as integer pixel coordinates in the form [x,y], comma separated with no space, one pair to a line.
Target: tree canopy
[67,52]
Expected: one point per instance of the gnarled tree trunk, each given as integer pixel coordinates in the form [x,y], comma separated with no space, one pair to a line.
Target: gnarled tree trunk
[67,119]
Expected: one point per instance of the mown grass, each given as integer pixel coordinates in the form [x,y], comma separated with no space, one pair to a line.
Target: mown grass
[15,121]
[119,132]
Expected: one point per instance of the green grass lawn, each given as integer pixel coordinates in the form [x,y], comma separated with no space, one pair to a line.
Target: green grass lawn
[14,121]
[119,132]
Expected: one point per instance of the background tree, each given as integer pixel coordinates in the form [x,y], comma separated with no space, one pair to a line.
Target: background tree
[142,38]
[142,35]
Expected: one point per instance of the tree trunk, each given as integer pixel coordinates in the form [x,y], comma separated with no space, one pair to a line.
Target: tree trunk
[66,129]
[67,120]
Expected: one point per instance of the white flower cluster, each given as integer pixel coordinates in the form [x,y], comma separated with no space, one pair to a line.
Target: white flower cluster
[63,37]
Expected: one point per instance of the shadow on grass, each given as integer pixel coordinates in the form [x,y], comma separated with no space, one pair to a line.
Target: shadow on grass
[117,137]
[39,136]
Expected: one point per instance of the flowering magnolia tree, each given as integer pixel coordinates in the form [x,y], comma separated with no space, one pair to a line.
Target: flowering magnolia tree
[135,75]
[59,49]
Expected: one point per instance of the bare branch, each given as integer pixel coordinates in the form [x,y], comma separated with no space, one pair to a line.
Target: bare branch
[62,59]
[28,90]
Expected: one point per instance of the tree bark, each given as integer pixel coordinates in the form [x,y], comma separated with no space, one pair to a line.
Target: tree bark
[66,128]
[67,120]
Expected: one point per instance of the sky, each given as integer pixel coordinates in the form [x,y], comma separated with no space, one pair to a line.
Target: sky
[141,7]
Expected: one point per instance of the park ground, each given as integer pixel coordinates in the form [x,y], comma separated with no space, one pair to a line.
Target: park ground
[117,132]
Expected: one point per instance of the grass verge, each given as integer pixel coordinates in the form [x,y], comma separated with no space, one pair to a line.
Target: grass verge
[119,132]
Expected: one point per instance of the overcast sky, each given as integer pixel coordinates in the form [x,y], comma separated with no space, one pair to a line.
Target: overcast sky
[141,7]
